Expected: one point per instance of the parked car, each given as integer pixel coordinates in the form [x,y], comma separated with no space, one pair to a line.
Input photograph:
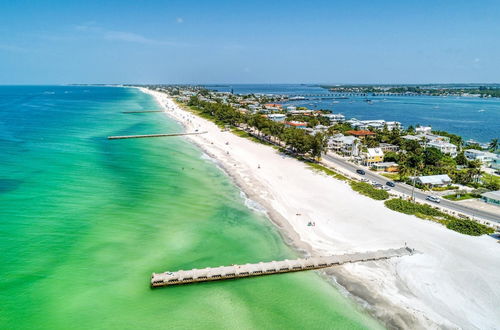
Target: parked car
[390,184]
[433,199]
[386,188]
[365,180]
[361,172]
[378,185]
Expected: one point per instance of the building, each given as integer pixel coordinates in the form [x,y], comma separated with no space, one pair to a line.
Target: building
[392,125]
[495,163]
[491,197]
[386,147]
[296,124]
[334,117]
[423,129]
[445,147]
[373,156]
[434,180]
[485,157]
[347,145]
[386,167]
[377,124]
[273,106]
[360,133]
[278,117]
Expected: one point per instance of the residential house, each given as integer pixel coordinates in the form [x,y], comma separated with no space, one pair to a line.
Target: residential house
[434,180]
[386,167]
[445,147]
[347,145]
[360,133]
[485,157]
[296,124]
[273,107]
[334,117]
[386,147]
[278,117]
[373,156]
[423,129]
[491,197]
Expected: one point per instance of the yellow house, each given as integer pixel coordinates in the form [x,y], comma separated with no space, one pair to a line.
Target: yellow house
[373,156]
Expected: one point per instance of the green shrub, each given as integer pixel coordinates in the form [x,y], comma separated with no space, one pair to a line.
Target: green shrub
[468,227]
[423,211]
[404,206]
[370,191]
[445,188]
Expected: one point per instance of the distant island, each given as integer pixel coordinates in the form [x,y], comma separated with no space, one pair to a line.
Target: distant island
[472,90]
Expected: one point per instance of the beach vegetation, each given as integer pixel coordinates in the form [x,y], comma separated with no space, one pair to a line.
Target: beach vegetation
[468,227]
[368,190]
[327,171]
[427,212]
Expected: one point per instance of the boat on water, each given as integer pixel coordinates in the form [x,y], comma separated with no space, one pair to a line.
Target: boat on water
[297,98]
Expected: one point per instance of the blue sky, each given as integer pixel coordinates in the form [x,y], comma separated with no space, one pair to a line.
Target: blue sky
[53,42]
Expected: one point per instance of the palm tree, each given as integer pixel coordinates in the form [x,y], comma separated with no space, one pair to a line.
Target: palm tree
[493,145]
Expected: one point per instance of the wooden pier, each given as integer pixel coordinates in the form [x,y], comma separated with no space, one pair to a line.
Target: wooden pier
[269,268]
[151,135]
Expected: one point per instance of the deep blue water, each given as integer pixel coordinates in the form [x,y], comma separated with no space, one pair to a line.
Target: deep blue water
[472,118]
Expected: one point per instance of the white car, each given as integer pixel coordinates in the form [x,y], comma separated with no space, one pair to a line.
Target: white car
[433,199]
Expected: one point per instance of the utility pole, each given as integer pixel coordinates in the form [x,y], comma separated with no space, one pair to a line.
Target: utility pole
[413,189]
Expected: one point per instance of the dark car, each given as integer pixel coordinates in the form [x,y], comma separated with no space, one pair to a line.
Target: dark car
[390,184]
[360,172]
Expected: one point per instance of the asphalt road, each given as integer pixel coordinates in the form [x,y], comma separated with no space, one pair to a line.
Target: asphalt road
[407,190]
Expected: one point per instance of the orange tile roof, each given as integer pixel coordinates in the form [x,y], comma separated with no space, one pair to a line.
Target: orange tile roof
[360,132]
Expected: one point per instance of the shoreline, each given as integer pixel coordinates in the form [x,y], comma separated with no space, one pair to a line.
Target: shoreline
[391,291]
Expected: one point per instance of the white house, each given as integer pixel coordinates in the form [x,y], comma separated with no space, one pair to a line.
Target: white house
[423,129]
[434,180]
[484,157]
[348,145]
[278,117]
[445,147]
[334,117]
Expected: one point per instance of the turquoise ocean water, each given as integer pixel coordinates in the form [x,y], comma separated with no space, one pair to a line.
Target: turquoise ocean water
[85,221]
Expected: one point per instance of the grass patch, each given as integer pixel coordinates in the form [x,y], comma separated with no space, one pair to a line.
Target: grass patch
[392,176]
[327,171]
[370,191]
[444,188]
[424,211]
[456,197]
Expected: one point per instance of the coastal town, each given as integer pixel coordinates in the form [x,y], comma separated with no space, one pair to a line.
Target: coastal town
[436,163]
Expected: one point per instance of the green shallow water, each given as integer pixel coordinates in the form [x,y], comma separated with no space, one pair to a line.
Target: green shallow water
[85,221]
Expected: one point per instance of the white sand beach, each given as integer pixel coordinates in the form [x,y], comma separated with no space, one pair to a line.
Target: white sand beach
[453,283]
